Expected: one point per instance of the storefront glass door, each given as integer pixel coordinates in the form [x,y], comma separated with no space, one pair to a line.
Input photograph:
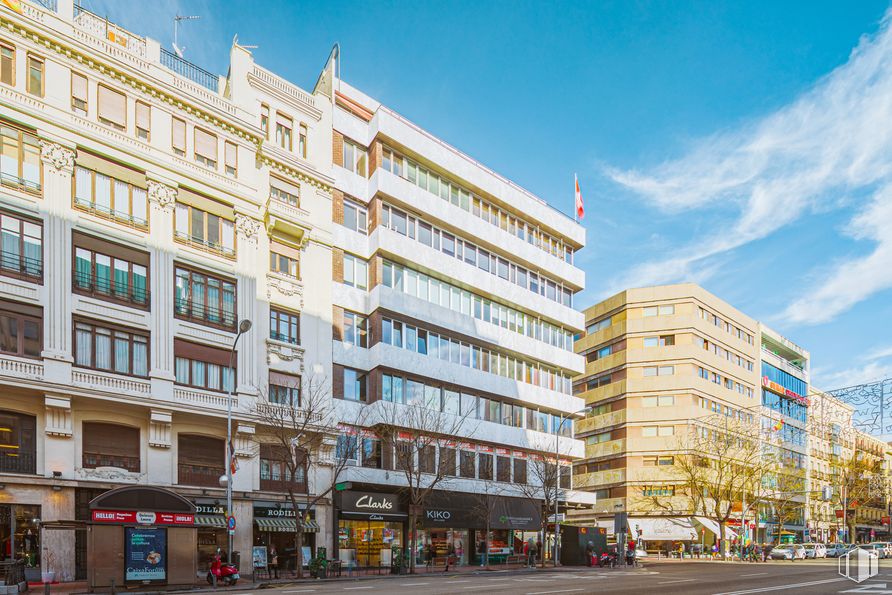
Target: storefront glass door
[368,544]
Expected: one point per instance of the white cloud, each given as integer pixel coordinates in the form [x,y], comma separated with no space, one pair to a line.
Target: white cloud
[830,142]
[863,374]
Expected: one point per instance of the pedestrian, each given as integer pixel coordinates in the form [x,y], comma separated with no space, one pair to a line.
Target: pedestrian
[273,562]
[450,555]
[481,551]
[589,551]
[428,555]
[534,552]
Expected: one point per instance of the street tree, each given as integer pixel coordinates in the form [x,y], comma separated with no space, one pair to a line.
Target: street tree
[547,483]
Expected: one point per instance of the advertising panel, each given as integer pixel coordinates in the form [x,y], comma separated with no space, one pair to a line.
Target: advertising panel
[145,554]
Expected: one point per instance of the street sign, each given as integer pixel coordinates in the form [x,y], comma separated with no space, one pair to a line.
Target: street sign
[230,523]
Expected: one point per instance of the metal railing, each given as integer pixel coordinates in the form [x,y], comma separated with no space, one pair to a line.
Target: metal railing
[18,463]
[109,213]
[15,181]
[89,283]
[188,70]
[186,308]
[203,244]
[284,338]
[199,475]
[98,459]
[21,264]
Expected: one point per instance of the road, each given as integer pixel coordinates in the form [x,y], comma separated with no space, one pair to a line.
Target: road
[811,577]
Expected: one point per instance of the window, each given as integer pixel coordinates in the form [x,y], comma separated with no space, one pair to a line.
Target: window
[200,460]
[112,108]
[649,491]
[467,464]
[284,265]
[661,401]
[206,148]
[284,326]
[447,462]
[598,438]
[21,247]
[97,273]
[284,192]
[651,431]
[19,159]
[356,217]
[651,341]
[302,141]
[111,349]
[284,389]
[650,371]
[21,329]
[503,469]
[18,449]
[202,366]
[204,298]
[7,64]
[520,471]
[347,447]
[667,310]
[276,465]
[264,120]
[356,272]
[372,453]
[355,157]
[110,445]
[284,124]
[655,461]
[599,325]
[78,93]
[651,311]
[205,230]
[178,136]
[110,197]
[485,466]
[143,121]
[356,329]
[35,75]
[354,385]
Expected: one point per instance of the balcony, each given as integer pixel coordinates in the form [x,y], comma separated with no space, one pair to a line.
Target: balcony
[204,245]
[106,212]
[783,364]
[597,422]
[598,479]
[90,284]
[15,264]
[204,314]
[103,29]
[111,382]
[604,449]
[18,462]
[202,398]
[291,219]
[190,71]
[603,392]
[19,367]
[195,474]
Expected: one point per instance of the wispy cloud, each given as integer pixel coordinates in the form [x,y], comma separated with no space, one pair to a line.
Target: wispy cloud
[830,142]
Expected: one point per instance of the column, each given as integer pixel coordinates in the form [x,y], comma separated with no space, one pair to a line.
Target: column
[248,263]
[162,198]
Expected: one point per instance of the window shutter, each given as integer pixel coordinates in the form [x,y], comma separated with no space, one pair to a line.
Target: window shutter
[205,144]
[284,121]
[79,86]
[179,135]
[111,439]
[142,115]
[112,106]
[231,155]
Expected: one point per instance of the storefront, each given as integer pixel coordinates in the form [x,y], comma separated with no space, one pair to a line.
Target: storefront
[275,525]
[210,522]
[370,528]
[141,536]
[20,536]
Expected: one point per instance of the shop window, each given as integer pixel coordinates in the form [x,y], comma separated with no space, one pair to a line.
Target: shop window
[19,159]
[18,450]
[468,464]
[200,460]
[111,349]
[110,271]
[110,445]
[202,366]
[520,471]
[485,466]
[21,247]
[21,329]
[205,298]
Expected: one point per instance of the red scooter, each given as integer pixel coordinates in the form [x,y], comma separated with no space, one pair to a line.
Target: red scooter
[221,572]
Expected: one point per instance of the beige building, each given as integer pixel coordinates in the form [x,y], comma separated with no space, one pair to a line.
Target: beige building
[656,358]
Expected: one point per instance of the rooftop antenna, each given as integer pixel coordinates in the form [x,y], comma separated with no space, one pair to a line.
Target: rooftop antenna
[176,22]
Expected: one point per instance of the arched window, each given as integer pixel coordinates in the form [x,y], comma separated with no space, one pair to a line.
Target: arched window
[110,445]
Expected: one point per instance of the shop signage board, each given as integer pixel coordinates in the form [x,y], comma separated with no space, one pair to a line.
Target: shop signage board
[467,511]
[142,517]
[372,503]
[145,554]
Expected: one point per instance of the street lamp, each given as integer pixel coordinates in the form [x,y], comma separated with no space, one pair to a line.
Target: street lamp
[243,327]
[557,481]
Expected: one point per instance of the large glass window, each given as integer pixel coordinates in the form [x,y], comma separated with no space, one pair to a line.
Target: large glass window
[276,463]
[18,450]
[205,298]
[19,159]
[110,445]
[111,349]
[98,273]
[355,157]
[21,247]
[354,385]
[356,329]
[205,230]
[356,272]
[284,389]
[284,326]
[110,198]
[21,329]
[205,367]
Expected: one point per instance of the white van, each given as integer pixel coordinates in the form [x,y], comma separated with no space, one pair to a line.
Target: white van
[815,550]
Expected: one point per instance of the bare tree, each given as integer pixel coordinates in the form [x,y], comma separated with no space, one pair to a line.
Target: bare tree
[299,426]
[485,503]
[544,489]
[417,431]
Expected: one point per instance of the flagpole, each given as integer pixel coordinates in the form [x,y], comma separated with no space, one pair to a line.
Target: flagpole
[575,191]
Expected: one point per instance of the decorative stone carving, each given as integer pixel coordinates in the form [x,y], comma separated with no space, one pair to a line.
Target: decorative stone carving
[285,288]
[56,156]
[159,428]
[161,195]
[244,440]
[109,474]
[58,416]
[247,228]
[282,352]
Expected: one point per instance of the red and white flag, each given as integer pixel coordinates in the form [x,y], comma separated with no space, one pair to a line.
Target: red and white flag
[580,206]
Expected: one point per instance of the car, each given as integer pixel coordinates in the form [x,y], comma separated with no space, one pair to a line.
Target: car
[835,550]
[788,551]
[815,550]
[881,548]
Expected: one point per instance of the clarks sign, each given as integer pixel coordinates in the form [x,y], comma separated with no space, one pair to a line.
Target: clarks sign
[371,503]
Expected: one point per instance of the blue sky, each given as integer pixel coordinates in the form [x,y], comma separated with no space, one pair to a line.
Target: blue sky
[742,146]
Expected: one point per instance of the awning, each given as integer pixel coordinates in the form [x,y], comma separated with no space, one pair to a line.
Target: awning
[663,529]
[713,527]
[285,525]
[210,520]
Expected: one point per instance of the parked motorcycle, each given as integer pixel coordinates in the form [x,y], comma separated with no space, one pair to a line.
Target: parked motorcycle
[225,574]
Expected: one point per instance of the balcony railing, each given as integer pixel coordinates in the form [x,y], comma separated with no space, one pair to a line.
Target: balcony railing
[18,264]
[90,284]
[276,336]
[109,213]
[102,28]
[186,308]
[199,475]
[8,179]
[188,70]
[203,244]
[22,462]
[98,459]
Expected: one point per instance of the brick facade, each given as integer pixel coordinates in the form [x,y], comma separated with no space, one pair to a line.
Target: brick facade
[376,156]
[337,148]
[337,207]
[337,323]
[337,265]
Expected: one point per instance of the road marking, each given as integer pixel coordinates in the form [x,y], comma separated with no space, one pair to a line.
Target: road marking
[478,586]
[680,580]
[456,582]
[754,574]
[558,591]
[783,587]
[301,591]
[355,588]
[412,584]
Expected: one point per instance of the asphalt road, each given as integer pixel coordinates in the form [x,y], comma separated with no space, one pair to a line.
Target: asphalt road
[811,577]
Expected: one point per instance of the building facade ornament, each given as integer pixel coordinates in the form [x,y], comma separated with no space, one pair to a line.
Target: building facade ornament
[56,156]
[161,195]
[247,228]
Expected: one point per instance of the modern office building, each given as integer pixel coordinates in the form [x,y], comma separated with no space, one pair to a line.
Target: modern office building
[454,287]
[146,207]
[657,358]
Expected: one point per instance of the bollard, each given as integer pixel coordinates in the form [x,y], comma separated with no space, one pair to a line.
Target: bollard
[113,587]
